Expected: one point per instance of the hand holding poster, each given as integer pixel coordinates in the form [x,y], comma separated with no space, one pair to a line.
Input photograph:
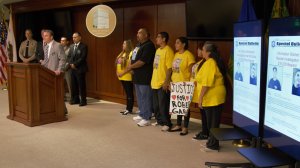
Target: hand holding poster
[181,97]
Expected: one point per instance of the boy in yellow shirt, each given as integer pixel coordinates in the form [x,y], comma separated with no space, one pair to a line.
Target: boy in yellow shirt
[161,77]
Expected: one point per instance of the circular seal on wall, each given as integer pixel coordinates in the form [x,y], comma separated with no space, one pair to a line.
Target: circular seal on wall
[101,21]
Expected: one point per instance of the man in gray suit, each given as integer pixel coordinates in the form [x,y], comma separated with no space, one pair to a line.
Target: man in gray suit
[54,55]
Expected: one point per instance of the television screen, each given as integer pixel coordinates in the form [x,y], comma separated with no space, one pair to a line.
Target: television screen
[211,19]
[282,110]
[247,75]
[59,21]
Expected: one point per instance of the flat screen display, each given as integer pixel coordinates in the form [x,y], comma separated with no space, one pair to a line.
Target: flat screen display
[247,75]
[282,110]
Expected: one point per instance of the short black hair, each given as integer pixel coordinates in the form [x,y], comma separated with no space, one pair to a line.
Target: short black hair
[165,35]
[185,41]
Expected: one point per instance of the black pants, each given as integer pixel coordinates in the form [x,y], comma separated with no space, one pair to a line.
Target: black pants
[186,119]
[213,115]
[128,87]
[161,104]
[205,130]
[78,86]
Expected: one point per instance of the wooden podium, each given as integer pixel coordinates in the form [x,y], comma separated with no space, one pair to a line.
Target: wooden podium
[36,94]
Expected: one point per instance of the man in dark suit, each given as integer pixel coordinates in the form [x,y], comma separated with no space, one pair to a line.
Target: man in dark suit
[77,61]
[39,53]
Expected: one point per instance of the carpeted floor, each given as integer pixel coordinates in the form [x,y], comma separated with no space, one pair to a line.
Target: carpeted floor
[97,136]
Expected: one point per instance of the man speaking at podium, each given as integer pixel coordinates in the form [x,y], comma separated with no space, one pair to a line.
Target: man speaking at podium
[54,55]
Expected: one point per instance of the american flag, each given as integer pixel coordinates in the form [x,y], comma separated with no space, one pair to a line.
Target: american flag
[3,57]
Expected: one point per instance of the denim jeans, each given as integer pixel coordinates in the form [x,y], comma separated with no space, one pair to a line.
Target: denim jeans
[144,99]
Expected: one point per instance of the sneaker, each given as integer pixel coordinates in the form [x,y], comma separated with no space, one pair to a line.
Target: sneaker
[154,124]
[126,112]
[165,128]
[137,118]
[200,136]
[123,111]
[210,149]
[143,123]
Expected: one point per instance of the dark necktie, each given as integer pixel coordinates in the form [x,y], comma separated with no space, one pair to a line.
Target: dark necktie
[75,47]
[26,50]
[46,58]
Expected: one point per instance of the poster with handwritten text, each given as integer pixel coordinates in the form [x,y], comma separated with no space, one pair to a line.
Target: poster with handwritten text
[181,97]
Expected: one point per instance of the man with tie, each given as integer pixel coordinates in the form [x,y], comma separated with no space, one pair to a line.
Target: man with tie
[39,53]
[77,61]
[54,55]
[28,48]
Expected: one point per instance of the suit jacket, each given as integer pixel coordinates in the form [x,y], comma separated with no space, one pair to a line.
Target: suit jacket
[78,58]
[57,57]
[31,50]
[39,53]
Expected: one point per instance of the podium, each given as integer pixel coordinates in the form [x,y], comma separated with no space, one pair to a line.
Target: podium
[36,94]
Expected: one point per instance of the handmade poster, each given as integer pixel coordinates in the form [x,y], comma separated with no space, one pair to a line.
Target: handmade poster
[181,97]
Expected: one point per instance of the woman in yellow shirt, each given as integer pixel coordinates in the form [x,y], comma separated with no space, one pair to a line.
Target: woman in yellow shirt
[181,72]
[122,61]
[203,134]
[212,81]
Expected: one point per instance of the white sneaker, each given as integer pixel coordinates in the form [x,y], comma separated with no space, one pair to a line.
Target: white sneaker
[137,118]
[154,124]
[143,123]
[165,128]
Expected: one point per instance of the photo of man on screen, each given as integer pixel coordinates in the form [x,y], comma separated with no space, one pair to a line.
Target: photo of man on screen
[238,74]
[274,83]
[296,82]
[253,74]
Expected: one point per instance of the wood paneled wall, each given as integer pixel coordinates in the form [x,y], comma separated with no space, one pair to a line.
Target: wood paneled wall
[156,16]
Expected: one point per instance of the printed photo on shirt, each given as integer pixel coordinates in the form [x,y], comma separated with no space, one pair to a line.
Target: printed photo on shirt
[194,70]
[176,65]
[134,52]
[156,61]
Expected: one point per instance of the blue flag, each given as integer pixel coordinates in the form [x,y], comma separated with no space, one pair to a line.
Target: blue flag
[247,12]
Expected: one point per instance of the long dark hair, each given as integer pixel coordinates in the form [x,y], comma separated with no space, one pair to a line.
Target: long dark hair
[214,54]
[127,51]
[202,59]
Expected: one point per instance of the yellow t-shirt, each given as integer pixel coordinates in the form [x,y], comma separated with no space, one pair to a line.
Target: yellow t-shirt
[209,75]
[162,62]
[180,66]
[193,79]
[127,76]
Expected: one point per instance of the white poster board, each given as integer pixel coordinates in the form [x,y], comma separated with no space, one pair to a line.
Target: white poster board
[181,97]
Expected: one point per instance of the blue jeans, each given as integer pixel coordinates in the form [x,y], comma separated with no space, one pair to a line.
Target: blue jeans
[144,100]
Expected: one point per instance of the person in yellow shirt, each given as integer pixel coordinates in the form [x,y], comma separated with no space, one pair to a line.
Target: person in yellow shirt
[122,61]
[212,80]
[203,134]
[181,72]
[161,77]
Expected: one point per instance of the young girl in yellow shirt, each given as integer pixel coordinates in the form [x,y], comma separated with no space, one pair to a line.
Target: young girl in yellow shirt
[122,61]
